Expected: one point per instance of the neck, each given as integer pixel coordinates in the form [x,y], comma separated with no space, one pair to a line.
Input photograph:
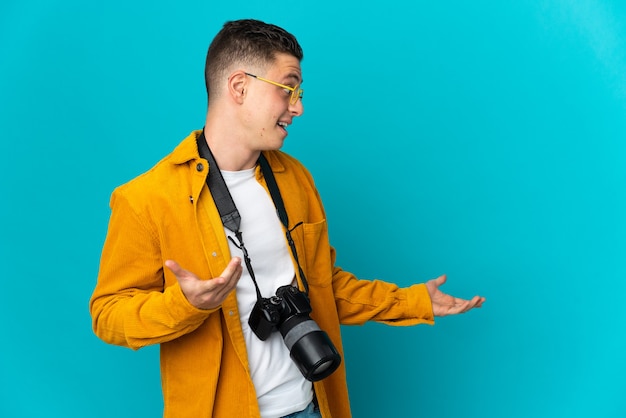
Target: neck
[229,153]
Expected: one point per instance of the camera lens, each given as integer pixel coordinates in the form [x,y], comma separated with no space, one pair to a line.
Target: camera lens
[325,365]
[310,348]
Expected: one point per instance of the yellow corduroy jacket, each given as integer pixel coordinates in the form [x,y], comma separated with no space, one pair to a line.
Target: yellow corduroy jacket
[168,213]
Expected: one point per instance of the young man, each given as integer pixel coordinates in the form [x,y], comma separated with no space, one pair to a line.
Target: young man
[171,271]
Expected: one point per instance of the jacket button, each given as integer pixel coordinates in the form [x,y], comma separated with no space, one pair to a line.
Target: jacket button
[200,167]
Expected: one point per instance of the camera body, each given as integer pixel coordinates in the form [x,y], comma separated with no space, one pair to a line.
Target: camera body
[269,313]
[288,312]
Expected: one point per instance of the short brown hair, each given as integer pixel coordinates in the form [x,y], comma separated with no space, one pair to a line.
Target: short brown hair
[249,41]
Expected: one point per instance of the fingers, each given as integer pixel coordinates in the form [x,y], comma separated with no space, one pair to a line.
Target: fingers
[444,305]
[475,302]
[233,269]
[227,281]
[175,268]
[207,294]
[433,285]
[441,279]
[479,301]
[466,305]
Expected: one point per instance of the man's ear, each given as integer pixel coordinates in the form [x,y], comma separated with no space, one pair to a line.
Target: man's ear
[237,84]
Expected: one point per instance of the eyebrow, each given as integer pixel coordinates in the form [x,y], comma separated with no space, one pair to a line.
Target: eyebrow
[295,77]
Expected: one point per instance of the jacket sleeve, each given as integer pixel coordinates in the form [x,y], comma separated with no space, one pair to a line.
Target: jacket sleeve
[130,305]
[359,301]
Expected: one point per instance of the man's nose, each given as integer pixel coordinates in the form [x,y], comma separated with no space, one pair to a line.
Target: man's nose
[297,109]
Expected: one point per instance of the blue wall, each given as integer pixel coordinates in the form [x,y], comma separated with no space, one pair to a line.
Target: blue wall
[492,132]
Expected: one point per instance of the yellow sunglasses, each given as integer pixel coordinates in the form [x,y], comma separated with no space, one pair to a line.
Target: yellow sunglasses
[296,92]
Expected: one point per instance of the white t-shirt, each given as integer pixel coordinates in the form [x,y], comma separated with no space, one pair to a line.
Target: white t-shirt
[280,387]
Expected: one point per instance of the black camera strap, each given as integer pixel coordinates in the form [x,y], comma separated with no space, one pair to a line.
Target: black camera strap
[225,205]
[282,213]
[230,215]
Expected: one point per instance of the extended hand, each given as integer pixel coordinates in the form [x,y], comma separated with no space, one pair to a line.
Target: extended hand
[444,304]
[207,294]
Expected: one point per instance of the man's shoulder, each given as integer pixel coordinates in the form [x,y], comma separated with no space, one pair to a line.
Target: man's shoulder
[160,175]
[286,164]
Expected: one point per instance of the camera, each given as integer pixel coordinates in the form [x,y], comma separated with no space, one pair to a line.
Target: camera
[309,347]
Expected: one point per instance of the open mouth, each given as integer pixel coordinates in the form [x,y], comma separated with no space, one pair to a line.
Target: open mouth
[283,125]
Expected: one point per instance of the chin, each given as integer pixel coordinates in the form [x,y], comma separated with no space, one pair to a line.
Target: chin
[275,146]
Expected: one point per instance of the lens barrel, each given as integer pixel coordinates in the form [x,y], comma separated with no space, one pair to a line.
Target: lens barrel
[310,348]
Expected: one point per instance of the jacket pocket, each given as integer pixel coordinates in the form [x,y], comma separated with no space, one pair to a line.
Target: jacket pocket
[314,252]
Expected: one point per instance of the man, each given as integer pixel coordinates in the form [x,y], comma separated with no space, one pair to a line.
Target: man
[171,271]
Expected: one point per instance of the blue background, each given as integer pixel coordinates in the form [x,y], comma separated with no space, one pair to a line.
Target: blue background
[480,139]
